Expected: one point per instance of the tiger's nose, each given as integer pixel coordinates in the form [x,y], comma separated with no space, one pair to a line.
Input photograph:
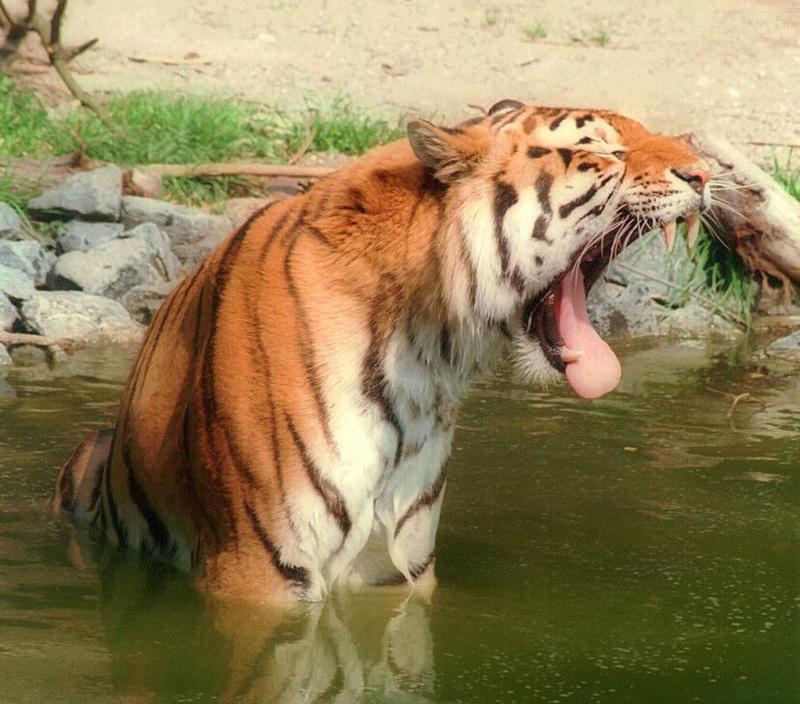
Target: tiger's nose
[694,176]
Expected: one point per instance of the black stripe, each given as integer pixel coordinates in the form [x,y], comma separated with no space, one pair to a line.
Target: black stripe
[416,571]
[544,181]
[540,228]
[444,344]
[208,377]
[373,382]
[594,212]
[293,573]
[566,156]
[119,529]
[328,492]
[555,123]
[423,501]
[504,197]
[155,526]
[469,264]
[502,119]
[307,346]
[566,210]
[537,152]
[583,119]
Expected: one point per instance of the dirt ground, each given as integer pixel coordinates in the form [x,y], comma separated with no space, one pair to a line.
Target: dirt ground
[729,65]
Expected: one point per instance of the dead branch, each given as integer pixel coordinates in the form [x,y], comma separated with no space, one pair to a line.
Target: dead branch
[35,175]
[238,169]
[19,338]
[49,32]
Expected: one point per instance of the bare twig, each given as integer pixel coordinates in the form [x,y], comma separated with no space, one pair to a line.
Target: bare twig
[169,62]
[294,158]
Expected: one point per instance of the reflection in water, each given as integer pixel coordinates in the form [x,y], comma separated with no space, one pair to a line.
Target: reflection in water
[638,549]
[375,645]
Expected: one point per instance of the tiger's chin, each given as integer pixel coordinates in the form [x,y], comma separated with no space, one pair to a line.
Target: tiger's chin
[530,363]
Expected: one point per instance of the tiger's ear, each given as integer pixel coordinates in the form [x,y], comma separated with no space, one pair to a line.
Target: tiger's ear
[450,153]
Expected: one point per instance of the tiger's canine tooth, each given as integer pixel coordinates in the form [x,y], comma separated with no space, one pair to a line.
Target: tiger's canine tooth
[669,235]
[692,229]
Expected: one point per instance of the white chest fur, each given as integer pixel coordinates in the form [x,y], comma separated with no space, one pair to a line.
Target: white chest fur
[393,475]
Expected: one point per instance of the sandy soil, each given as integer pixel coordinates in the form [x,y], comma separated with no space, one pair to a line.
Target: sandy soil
[731,65]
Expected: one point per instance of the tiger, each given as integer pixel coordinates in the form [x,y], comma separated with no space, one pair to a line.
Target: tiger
[287,422]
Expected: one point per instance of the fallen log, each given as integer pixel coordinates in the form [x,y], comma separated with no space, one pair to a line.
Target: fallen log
[238,169]
[754,214]
[34,175]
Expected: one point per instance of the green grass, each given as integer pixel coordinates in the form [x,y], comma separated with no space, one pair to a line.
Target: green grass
[788,178]
[185,130]
[716,273]
[535,31]
[601,38]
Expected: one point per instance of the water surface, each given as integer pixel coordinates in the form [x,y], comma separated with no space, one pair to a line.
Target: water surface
[643,548]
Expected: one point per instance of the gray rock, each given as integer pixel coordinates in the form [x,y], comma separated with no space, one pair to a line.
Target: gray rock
[30,257]
[92,195]
[15,284]
[114,267]
[10,224]
[697,322]
[143,301]
[192,232]
[624,311]
[79,316]
[8,312]
[28,356]
[5,360]
[789,344]
[647,260]
[631,298]
[79,236]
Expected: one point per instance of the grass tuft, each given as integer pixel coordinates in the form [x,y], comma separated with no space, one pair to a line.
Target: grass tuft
[535,31]
[714,271]
[788,178]
[340,127]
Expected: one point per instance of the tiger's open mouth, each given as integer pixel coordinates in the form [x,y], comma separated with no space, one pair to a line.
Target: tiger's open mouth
[558,320]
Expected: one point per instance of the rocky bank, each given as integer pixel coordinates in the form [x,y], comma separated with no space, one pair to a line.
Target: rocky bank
[115,257]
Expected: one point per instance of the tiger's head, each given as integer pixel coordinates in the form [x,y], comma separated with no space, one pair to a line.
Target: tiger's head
[539,201]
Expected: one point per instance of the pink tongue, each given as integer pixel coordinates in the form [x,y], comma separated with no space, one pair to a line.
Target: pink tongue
[598,371]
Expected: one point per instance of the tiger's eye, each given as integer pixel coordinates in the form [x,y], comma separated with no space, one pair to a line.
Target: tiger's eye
[621,155]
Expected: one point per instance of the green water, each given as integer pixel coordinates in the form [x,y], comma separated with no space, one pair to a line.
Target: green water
[643,548]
